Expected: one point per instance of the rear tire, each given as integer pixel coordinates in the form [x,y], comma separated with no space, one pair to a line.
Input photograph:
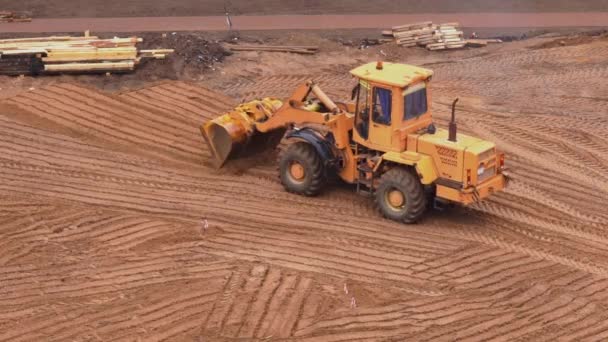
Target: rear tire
[400,196]
[301,169]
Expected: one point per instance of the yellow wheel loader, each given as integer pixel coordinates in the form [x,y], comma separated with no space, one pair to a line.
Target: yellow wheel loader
[385,143]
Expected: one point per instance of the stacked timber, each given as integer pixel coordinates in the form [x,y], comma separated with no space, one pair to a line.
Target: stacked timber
[301,49]
[427,34]
[12,17]
[86,54]
[448,36]
[414,34]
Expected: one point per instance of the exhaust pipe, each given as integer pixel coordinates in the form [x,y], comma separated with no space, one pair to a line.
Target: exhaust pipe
[453,129]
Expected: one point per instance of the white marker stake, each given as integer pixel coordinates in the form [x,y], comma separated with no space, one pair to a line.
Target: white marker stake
[205,226]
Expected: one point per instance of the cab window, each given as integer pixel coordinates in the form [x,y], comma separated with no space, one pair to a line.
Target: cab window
[415,101]
[362,117]
[382,103]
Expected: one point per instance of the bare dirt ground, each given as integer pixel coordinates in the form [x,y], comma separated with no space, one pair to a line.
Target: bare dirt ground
[161,8]
[104,195]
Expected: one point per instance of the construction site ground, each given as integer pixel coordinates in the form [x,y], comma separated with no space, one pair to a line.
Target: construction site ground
[115,224]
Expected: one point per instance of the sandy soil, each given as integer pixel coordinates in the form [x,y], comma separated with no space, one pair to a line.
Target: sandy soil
[104,198]
[133,8]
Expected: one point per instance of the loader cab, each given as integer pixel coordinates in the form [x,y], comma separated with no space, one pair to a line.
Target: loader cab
[392,100]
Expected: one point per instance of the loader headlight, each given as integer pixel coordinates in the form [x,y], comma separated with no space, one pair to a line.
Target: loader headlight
[481,170]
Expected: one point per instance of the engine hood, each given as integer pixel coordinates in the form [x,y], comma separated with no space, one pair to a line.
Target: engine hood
[463,141]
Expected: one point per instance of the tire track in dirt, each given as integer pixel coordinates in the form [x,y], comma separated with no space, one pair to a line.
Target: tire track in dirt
[117,116]
[31,231]
[97,132]
[157,317]
[100,286]
[588,236]
[96,177]
[440,311]
[582,198]
[554,257]
[265,304]
[71,176]
[190,175]
[575,263]
[107,282]
[316,265]
[546,252]
[117,121]
[40,153]
[59,323]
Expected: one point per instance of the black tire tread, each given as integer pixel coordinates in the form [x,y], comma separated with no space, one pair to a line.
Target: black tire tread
[416,204]
[306,153]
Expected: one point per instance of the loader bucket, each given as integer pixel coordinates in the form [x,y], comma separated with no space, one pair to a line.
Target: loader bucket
[230,133]
[224,136]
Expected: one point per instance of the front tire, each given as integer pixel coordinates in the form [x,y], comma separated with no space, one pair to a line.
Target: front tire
[301,169]
[400,196]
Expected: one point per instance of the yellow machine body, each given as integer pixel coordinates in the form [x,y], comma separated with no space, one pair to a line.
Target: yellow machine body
[463,170]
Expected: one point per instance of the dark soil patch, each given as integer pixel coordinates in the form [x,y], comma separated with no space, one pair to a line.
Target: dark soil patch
[194,54]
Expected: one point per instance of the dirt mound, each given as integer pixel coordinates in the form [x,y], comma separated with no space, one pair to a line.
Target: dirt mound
[194,54]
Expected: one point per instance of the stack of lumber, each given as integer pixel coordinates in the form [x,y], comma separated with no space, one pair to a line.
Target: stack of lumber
[72,54]
[301,49]
[414,34]
[448,37]
[433,37]
[10,17]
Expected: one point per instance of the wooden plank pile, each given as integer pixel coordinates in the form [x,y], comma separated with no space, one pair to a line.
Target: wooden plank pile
[65,54]
[414,34]
[301,49]
[427,34]
[448,37]
[12,17]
